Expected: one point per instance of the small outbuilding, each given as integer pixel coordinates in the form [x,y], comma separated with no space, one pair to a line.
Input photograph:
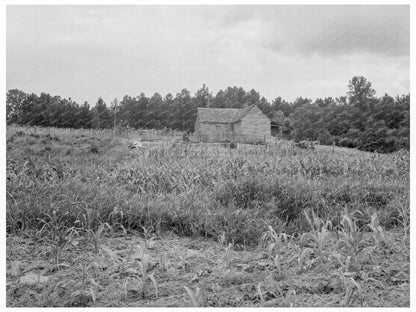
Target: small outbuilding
[245,125]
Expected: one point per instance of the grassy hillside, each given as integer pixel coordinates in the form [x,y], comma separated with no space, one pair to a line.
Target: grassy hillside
[327,207]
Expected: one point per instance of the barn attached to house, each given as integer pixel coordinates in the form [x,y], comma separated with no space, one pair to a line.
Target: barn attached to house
[245,125]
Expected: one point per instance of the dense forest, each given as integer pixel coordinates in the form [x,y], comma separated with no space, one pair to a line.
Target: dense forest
[358,119]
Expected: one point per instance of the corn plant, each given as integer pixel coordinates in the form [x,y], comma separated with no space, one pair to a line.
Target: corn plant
[275,244]
[227,257]
[344,263]
[49,291]
[261,296]
[364,276]
[304,259]
[16,270]
[404,215]
[319,233]
[183,262]
[290,296]
[88,288]
[141,268]
[403,210]
[116,219]
[144,276]
[96,236]
[61,235]
[353,289]
[197,297]
[148,237]
[125,287]
[379,235]
[351,236]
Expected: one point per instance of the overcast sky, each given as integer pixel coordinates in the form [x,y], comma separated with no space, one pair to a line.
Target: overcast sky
[84,52]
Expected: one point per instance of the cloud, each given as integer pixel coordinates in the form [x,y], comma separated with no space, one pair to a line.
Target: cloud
[336,30]
[89,51]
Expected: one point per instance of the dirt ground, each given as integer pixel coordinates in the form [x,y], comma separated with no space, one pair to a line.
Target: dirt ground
[169,271]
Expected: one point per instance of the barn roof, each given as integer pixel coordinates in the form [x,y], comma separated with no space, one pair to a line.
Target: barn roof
[222,115]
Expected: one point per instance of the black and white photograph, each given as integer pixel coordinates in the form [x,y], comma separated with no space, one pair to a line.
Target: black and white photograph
[207,155]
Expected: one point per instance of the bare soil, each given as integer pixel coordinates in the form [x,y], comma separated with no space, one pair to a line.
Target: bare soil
[216,274]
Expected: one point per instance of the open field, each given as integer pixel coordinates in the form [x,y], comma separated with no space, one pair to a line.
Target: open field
[91,222]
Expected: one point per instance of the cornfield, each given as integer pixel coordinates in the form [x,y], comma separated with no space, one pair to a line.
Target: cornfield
[64,185]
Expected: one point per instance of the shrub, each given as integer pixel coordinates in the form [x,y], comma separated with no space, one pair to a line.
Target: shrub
[325,138]
[243,194]
[275,199]
[347,142]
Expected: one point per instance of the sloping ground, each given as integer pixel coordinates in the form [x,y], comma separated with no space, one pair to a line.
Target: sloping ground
[69,193]
[131,271]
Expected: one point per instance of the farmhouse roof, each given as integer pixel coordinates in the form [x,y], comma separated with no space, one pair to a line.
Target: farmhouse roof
[222,115]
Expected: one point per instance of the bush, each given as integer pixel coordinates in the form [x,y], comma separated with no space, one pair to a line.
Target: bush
[347,142]
[325,138]
[243,194]
[276,200]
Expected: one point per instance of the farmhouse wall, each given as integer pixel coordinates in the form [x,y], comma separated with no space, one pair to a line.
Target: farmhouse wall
[255,125]
[214,132]
[197,127]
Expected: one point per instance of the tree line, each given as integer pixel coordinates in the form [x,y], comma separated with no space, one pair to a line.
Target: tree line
[358,119]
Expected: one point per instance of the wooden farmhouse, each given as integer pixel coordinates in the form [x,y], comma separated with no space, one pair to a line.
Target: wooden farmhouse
[245,125]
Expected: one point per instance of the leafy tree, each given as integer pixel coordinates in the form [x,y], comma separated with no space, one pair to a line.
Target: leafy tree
[153,120]
[138,113]
[203,97]
[328,102]
[83,116]
[360,92]
[278,117]
[278,104]
[101,118]
[288,128]
[14,102]
[235,97]
[301,102]
[28,111]
[265,107]
[169,105]
[341,101]
[184,111]
[307,122]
